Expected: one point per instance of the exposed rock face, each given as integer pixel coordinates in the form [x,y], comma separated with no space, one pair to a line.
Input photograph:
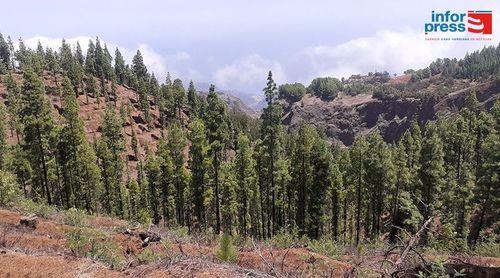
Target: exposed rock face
[346,116]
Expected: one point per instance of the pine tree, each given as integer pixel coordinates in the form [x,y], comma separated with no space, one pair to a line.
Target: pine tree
[119,67]
[108,71]
[379,180]
[3,135]
[22,54]
[271,132]
[167,186]
[138,66]
[176,144]
[90,59]
[335,192]
[153,173]
[15,106]
[358,171]
[99,59]
[179,96]
[485,196]
[431,173]
[71,66]
[487,193]
[459,143]
[192,99]
[244,168]
[12,52]
[218,135]
[229,207]
[80,171]
[302,172]
[4,52]
[65,56]
[166,103]
[52,63]
[405,214]
[91,89]
[110,155]
[198,165]
[79,54]
[143,101]
[321,182]
[36,116]
[135,202]
[40,55]
[154,89]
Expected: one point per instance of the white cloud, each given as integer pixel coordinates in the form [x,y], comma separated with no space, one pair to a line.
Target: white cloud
[248,73]
[393,51]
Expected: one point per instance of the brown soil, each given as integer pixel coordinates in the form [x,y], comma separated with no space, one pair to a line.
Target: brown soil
[22,265]
[293,261]
[42,252]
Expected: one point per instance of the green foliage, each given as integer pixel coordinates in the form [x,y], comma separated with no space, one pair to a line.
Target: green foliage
[138,66]
[226,251]
[77,241]
[148,255]
[283,187]
[3,135]
[75,217]
[326,246]
[144,216]
[478,64]
[85,242]
[292,92]
[107,252]
[490,247]
[41,209]
[325,87]
[438,269]
[9,189]
[284,239]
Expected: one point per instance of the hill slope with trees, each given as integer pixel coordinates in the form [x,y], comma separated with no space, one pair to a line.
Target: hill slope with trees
[91,133]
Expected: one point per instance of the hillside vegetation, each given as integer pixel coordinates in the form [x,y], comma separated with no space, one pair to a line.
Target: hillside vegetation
[89,133]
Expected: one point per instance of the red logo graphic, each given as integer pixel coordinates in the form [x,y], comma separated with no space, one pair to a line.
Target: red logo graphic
[480,22]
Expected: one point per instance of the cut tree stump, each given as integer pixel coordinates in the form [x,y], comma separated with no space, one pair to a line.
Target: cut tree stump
[29,221]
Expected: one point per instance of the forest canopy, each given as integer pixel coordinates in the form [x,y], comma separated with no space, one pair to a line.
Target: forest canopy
[213,171]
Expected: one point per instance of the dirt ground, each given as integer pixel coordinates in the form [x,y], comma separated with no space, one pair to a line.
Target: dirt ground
[43,252]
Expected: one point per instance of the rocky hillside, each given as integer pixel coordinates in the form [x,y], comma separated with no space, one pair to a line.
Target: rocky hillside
[352,113]
[92,111]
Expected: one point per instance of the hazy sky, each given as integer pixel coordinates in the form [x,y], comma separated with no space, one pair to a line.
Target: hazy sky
[234,43]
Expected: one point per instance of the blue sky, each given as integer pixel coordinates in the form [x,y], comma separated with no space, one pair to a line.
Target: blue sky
[234,43]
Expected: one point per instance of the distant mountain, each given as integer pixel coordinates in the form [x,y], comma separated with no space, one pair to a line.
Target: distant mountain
[235,100]
[378,102]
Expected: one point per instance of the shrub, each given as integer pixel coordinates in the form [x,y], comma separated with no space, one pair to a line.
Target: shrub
[178,234]
[283,240]
[325,87]
[93,244]
[227,252]
[107,252]
[149,256]
[488,248]
[326,246]
[28,206]
[9,189]
[143,216]
[437,269]
[292,92]
[75,217]
[76,241]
